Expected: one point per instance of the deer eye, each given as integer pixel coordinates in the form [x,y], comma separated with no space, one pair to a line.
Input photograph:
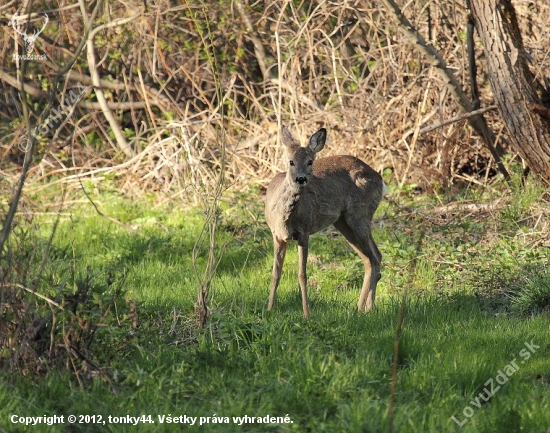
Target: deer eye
[292,163]
[310,162]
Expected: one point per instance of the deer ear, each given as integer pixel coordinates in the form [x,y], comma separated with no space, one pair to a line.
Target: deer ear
[317,140]
[287,138]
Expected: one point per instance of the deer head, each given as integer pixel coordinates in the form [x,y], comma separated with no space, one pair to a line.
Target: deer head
[29,39]
[300,159]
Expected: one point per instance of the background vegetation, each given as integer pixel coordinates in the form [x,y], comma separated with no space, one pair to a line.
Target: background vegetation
[170,74]
[111,241]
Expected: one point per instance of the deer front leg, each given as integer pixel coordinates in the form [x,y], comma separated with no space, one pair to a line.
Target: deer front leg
[279,247]
[302,275]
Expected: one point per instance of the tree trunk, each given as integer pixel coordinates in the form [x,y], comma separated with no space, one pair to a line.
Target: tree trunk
[514,85]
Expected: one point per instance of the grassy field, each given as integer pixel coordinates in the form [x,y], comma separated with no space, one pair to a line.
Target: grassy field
[474,354]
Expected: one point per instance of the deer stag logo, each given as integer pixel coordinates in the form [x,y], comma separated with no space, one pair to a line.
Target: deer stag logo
[29,39]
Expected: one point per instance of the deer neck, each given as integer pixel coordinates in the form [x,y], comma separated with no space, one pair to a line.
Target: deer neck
[291,199]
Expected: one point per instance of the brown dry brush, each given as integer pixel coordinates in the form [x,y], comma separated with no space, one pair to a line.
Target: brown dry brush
[344,66]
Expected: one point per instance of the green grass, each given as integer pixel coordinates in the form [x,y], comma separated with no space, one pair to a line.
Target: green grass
[478,293]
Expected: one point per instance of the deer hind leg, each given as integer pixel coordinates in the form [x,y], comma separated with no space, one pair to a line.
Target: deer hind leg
[360,238]
[279,247]
[368,292]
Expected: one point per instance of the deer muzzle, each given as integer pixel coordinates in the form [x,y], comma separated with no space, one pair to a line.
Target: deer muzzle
[301,180]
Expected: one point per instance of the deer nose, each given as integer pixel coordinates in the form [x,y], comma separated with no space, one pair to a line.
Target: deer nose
[301,180]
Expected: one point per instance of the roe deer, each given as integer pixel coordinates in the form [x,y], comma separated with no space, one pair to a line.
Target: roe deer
[313,194]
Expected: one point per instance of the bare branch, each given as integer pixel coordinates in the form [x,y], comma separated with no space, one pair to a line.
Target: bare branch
[121,141]
[31,90]
[258,46]
[463,116]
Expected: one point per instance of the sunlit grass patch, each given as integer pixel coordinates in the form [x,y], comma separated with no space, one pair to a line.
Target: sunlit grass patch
[476,294]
